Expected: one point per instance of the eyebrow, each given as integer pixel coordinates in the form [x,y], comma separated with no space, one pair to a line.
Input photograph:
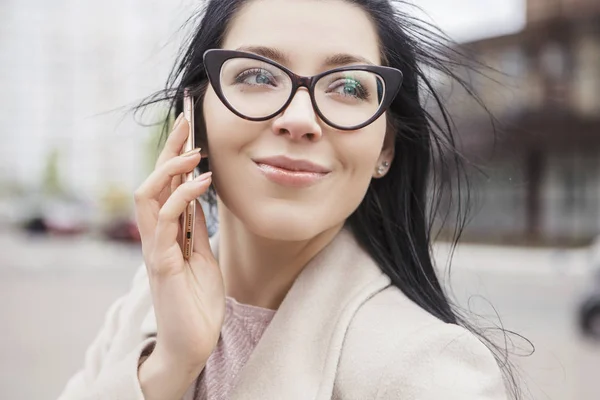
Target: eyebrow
[334,60]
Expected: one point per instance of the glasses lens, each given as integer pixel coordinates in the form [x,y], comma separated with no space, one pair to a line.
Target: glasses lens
[349,98]
[254,88]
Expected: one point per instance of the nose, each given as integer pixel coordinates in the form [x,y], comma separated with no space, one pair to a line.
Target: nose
[299,120]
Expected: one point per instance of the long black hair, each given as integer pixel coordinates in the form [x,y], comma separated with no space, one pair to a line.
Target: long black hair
[395,221]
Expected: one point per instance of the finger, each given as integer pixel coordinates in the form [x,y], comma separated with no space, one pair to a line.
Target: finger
[145,217]
[175,141]
[169,189]
[161,177]
[167,226]
[175,182]
[201,242]
[151,196]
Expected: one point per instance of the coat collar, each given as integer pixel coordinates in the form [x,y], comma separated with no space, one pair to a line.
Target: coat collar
[298,354]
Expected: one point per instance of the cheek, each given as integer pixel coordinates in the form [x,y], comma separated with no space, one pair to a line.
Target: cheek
[227,135]
[231,141]
[224,130]
[359,151]
[215,115]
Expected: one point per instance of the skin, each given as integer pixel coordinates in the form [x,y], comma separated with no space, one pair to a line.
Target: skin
[269,232]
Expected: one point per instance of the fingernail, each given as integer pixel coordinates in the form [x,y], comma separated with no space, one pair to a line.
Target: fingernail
[191,152]
[178,121]
[203,177]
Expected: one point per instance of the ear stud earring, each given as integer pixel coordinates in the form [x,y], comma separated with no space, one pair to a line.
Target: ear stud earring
[381,169]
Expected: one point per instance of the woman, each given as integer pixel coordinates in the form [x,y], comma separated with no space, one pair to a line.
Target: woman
[319,283]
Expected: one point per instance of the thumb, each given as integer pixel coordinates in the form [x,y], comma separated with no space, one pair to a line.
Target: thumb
[201,242]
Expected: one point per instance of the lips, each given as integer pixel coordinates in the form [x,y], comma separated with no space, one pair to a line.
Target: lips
[293,165]
[294,173]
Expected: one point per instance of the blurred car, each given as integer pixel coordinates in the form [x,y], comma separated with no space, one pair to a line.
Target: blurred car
[66,217]
[57,216]
[36,225]
[122,230]
[589,312]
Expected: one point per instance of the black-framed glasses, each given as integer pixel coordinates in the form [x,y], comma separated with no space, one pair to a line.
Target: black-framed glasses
[257,89]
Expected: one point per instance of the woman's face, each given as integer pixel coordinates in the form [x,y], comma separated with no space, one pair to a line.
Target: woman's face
[306,32]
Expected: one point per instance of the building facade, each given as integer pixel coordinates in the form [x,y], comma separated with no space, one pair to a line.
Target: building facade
[542,163]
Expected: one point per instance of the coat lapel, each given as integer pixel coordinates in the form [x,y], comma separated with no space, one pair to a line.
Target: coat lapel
[297,356]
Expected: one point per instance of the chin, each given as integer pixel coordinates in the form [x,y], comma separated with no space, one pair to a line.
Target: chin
[286,223]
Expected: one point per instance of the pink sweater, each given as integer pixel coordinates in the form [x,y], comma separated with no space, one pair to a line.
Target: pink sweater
[242,329]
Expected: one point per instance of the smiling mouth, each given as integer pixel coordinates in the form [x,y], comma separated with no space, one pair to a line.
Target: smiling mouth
[287,177]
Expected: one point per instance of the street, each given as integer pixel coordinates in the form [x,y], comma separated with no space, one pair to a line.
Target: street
[54,293]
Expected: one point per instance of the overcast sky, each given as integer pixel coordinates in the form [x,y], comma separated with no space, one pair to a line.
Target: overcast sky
[467,20]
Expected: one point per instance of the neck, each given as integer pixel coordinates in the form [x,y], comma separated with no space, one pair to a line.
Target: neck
[260,271]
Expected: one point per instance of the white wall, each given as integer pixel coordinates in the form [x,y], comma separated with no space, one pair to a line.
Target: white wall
[64,64]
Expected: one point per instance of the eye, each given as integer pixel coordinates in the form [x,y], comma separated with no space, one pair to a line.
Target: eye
[349,87]
[256,77]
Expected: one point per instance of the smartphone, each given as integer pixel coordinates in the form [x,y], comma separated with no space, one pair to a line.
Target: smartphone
[189,216]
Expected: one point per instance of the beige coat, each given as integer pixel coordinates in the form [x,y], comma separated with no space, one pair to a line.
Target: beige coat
[342,332]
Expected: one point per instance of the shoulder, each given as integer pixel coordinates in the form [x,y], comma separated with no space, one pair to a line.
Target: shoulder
[390,320]
[401,351]
[124,320]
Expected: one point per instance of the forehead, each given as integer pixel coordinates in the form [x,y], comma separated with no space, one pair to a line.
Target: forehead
[307,31]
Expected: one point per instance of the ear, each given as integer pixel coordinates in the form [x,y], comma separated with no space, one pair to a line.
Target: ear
[385,157]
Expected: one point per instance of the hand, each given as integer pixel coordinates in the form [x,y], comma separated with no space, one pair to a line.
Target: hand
[188,295]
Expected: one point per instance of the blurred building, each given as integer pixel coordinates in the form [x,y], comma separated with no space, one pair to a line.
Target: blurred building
[542,165]
[70,71]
